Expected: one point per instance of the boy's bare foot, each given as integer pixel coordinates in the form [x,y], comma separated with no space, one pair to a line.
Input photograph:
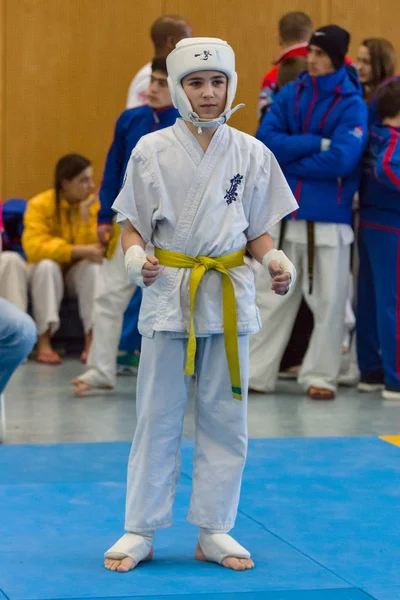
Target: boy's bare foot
[125,564]
[48,357]
[319,393]
[81,388]
[236,564]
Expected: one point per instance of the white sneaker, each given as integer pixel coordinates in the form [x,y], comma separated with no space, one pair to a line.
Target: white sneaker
[370,387]
[390,395]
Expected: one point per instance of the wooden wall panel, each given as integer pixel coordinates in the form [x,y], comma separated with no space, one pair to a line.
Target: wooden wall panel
[363,19]
[68,67]
[251,28]
[65,67]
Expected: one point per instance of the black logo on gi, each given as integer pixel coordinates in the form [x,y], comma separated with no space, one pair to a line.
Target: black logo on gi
[205,55]
[232,193]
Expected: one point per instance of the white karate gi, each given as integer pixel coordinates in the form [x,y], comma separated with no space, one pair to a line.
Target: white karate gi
[138,88]
[113,294]
[187,201]
[14,277]
[114,290]
[47,291]
[327,302]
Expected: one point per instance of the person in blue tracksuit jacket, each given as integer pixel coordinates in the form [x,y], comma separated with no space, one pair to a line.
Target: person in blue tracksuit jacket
[317,129]
[114,290]
[378,310]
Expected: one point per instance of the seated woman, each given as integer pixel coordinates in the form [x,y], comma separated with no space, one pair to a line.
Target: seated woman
[60,240]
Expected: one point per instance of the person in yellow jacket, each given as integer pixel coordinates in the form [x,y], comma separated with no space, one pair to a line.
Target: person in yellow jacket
[60,240]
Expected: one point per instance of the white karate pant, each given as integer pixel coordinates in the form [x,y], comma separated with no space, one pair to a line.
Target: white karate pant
[220,438]
[114,292]
[47,291]
[14,277]
[327,302]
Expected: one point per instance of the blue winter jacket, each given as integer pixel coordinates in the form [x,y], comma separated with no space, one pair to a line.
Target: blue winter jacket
[131,126]
[305,112]
[380,183]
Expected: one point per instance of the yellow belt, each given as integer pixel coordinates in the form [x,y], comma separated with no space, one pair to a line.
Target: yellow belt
[199,265]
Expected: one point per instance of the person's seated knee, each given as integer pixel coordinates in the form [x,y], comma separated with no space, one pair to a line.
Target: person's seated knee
[17,337]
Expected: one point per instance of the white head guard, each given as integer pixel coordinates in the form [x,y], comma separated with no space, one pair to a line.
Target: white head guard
[201,54]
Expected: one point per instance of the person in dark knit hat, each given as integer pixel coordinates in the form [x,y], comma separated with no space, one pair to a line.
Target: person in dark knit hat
[334,42]
[317,129]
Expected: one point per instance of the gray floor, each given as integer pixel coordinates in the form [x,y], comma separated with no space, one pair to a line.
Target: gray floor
[42,409]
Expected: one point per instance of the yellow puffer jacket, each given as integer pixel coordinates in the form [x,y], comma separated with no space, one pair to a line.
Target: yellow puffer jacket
[51,234]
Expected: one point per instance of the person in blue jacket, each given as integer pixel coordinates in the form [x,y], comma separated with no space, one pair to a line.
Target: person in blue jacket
[114,290]
[378,311]
[317,129]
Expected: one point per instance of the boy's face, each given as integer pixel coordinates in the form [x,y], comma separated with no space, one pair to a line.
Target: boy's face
[392,121]
[207,92]
[318,62]
[159,95]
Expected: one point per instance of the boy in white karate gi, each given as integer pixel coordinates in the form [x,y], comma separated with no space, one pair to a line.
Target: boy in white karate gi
[201,192]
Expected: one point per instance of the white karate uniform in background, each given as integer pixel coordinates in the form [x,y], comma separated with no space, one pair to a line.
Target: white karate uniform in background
[138,88]
[47,291]
[186,200]
[327,302]
[14,277]
[113,294]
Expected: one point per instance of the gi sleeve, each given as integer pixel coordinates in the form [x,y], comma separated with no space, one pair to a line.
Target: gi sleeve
[272,198]
[387,168]
[274,132]
[112,173]
[138,200]
[345,152]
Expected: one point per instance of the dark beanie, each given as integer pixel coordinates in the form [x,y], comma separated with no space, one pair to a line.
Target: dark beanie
[333,40]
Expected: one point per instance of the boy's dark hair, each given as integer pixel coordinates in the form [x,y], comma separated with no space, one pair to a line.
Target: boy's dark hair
[295,27]
[289,68]
[388,99]
[159,64]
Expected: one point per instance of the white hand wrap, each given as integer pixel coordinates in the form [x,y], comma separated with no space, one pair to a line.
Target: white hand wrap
[325,144]
[286,265]
[135,257]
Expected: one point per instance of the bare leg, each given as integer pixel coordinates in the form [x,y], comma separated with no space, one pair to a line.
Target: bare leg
[86,350]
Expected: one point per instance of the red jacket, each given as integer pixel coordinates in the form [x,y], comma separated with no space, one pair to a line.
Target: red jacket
[269,82]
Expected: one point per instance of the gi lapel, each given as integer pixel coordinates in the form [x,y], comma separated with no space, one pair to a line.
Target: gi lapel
[205,163]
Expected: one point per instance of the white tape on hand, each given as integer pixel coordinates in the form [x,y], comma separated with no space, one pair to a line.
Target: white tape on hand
[135,258]
[285,264]
[325,144]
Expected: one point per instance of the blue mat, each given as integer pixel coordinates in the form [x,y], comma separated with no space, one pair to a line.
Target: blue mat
[320,517]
